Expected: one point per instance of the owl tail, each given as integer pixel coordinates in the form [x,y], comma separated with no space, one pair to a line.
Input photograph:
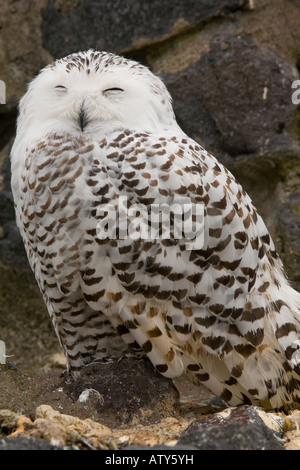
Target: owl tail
[263,367]
[273,372]
[284,315]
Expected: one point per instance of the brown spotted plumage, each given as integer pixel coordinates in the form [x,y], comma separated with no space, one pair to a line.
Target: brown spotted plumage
[96,129]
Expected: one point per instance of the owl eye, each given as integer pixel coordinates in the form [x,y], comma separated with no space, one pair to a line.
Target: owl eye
[61,88]
[112,91]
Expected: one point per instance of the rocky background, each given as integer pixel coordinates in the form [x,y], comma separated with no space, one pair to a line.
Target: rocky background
[229,65]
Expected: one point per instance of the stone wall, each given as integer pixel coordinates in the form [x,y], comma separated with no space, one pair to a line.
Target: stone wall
[229,65]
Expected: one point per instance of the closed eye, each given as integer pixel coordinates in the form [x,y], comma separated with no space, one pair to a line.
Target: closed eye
[112,90]
[60,88]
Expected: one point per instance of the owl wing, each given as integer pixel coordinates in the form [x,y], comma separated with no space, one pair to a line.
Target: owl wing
[212,298]
[51,200]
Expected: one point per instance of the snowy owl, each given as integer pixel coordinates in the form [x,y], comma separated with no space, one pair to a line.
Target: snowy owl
[96,135]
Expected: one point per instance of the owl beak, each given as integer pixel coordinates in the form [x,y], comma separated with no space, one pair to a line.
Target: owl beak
[82,118]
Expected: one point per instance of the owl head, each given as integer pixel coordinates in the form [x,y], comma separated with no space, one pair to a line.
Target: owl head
[95,92]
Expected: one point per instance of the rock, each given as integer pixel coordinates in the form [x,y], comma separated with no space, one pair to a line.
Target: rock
[231,102]
[233,436]
[27,443]
[62,429]
[288,224]
[8,421]
[125,390]
[241,428]
[120,26]
[21,53]
[293,443]
[291,424]
[242,416]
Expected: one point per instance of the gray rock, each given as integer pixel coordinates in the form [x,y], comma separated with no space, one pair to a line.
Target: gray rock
[236,99]
[240,428]
[233,436]
[117,25]
[27,443]
[241,415]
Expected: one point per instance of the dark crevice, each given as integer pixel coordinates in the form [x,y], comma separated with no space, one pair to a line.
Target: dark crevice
[7,126]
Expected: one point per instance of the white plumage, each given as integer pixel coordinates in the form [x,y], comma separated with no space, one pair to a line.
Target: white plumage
[93,128]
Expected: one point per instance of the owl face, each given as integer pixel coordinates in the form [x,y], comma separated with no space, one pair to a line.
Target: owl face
[93,92]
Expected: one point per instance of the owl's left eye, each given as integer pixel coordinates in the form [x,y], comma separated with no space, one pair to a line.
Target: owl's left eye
[61,88]
[112,90]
